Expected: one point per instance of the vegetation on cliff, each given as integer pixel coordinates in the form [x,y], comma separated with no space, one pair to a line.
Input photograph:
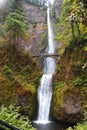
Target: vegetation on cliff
[70,83]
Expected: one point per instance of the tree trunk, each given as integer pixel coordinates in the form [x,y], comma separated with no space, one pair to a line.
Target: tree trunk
[72,26]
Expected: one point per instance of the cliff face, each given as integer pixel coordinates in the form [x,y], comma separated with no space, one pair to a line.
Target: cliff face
[57,9]
[34,14]
[35,17]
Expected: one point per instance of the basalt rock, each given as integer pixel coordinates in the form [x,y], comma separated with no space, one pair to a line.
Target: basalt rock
[35,18]
[67,105]
[34,14]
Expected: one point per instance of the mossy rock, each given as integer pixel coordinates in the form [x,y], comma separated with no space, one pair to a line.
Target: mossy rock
[68,104]
[25,98]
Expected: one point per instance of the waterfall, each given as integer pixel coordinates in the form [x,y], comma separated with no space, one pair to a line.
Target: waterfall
[45,88]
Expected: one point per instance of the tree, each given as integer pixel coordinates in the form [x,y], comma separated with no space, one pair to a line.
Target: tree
[78,17]
[84,1]
[15,28]
[17,6]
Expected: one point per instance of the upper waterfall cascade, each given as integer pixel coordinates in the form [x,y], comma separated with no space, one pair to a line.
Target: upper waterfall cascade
[45,88]
[48,1]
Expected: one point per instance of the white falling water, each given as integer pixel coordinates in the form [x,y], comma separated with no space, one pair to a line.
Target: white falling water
[45,88]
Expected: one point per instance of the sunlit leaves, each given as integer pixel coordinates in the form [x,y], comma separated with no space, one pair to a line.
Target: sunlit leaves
[12,116]
[78,16]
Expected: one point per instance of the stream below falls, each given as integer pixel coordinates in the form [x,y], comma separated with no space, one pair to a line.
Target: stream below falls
[52,125]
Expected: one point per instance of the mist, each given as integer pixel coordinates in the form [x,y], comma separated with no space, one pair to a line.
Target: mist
[3,3]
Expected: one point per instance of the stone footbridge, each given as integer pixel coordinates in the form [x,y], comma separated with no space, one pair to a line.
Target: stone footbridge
[44,55]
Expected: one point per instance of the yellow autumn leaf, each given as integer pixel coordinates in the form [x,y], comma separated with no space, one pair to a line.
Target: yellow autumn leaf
[85,48]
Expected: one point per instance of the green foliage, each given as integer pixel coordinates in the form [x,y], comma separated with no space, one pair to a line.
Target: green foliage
[79,13]
[80,40]
[17,6]
[78,18]
[12,117]
[15,26]
[72,23]
[60,85]
[15,18]
[79,82]
[62,28]
[7,71]
[66,9]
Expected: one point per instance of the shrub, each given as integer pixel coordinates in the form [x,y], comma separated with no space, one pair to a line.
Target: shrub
[12,117]
[80,82]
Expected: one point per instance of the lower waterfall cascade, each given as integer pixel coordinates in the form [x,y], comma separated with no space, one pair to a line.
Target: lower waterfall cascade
[45,88]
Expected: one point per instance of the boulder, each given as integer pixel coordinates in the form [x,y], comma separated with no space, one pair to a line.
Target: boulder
[67,105]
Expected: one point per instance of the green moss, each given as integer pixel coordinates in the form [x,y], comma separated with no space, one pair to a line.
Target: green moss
[59,85]
[79,82]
